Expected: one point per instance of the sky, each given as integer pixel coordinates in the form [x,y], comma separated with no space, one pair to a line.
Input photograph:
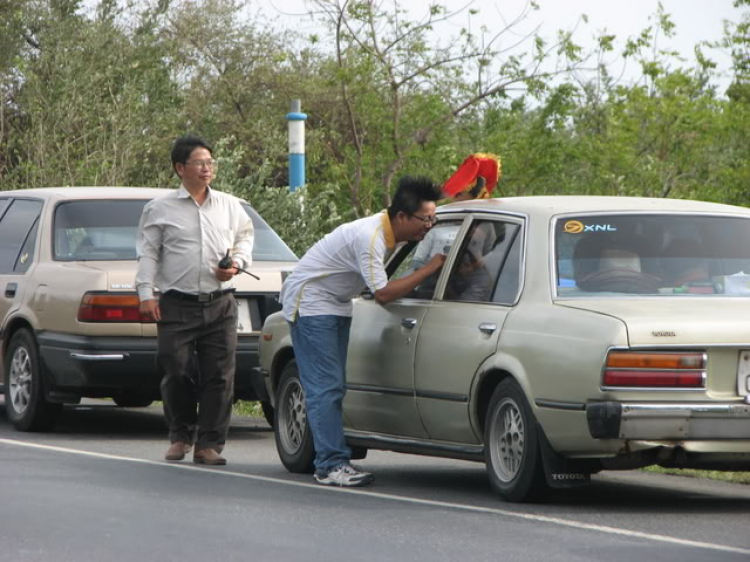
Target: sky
[695,20]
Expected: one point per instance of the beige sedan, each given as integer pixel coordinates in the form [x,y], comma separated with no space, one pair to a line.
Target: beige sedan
[564,336]
[69,320]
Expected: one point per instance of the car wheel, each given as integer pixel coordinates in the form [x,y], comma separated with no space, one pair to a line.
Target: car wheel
[25,404]
[511,445]
[132,400]
[268,412]
[293,438]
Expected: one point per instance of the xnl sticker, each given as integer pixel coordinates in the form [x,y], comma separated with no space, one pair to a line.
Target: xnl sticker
[574,227]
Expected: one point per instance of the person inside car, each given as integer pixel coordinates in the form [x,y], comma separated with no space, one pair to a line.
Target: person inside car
[471,279]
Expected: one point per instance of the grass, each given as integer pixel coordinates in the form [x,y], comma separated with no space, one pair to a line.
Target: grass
[734,477]
[247,408]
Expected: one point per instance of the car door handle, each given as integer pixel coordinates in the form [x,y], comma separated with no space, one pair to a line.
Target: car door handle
[10,290]
[409,322]
[487,327]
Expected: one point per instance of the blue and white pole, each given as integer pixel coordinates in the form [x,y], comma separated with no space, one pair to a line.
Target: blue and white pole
[296,146]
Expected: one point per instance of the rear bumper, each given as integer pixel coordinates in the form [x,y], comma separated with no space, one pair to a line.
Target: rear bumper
[662,422]
[106,366]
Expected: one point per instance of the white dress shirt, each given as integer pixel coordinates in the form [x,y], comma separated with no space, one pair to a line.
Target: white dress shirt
[180,242]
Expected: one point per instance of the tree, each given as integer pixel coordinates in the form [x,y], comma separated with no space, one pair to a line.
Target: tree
[237,77]
[399,92]
[92,103]
[737,41]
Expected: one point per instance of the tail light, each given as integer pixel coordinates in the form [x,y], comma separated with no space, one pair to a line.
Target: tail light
[110,308]
[655,369]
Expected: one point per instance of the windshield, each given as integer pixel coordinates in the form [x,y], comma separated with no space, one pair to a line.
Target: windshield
[106,229]
[268,245]
[646,254]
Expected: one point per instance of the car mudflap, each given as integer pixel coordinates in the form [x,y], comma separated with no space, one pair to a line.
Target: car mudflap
[560,472]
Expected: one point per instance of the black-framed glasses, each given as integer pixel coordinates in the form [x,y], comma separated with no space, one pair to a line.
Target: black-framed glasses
[203,163]
[427,220]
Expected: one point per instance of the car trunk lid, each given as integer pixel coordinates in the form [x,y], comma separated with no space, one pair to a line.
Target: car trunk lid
[717,326]
[677,321]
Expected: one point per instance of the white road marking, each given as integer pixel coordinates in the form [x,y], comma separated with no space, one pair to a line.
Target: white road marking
[369,493]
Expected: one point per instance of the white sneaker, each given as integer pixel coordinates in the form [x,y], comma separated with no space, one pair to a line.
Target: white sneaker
[345,475]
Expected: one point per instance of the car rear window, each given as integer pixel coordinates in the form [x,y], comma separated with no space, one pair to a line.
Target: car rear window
[97,230]
[106,229]
[651,254]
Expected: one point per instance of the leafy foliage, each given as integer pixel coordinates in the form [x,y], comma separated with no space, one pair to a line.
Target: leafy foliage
[93,93]
[298,217]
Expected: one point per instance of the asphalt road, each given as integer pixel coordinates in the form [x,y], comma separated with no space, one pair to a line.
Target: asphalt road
[96,489]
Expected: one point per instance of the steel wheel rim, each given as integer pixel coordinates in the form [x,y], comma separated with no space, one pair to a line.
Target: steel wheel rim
[293,417]
[509,438]
[20,378]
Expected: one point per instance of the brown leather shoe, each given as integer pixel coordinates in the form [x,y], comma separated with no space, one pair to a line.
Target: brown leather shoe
[209,457]
[177,451]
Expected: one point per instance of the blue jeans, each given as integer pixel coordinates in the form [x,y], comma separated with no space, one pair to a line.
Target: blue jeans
[320,344]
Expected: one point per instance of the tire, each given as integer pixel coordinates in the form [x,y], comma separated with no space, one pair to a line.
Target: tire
[25,405]
[511,446]
[294,441]
[132,400]
[268,413]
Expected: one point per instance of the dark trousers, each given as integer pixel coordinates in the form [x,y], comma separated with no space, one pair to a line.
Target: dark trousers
[197,343]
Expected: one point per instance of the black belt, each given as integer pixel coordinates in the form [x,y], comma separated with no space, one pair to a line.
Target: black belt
[200,297]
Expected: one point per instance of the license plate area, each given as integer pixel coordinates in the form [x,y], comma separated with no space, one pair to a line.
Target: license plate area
[743,373]
[248,316]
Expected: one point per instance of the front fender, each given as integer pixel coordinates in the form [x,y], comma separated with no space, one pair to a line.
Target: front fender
[275,350]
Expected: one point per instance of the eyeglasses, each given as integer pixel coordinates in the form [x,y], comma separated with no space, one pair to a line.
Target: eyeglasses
[203,163]
[427,220]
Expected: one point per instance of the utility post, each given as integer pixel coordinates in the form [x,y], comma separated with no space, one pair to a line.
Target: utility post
[296,121]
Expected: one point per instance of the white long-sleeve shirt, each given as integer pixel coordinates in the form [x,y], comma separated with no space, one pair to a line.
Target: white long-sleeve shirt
[180,242]
[338,267]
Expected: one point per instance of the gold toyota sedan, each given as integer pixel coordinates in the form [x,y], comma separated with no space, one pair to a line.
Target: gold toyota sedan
[563,336]
[69,320]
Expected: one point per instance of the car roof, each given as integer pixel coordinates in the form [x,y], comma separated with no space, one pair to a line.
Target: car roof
[552,205]
[102,192]
[93,192]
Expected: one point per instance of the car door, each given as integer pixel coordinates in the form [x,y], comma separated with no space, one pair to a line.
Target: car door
[460,330]
[380,367]
[18,229]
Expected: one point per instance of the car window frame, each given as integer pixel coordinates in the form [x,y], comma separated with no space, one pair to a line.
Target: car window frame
[466,217]
[33,227]
[518,236]
[8,201]
[406,249]
[29,244]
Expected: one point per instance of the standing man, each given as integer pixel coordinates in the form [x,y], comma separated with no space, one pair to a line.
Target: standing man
[182,238]
[316,301]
